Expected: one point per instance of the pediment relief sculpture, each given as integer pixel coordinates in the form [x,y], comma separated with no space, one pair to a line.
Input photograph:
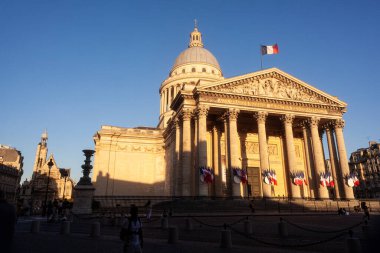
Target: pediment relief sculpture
[273,88]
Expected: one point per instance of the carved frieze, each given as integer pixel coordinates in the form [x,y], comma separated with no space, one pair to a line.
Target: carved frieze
[273,104]
[253,148]
[139,148]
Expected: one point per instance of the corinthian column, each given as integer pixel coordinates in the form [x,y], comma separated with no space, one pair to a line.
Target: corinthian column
[333,159]
[186,153]
[177,159]
[319,163]
[309,161]
[202,146]
[234,148]
[339,125]
[291,154]
[263,146]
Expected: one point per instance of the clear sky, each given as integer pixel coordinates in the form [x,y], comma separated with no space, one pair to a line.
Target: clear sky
[72,66]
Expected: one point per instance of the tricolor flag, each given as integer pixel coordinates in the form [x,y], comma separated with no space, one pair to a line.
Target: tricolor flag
[269,49]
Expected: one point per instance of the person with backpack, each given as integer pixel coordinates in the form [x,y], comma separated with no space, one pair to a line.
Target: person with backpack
[131,232]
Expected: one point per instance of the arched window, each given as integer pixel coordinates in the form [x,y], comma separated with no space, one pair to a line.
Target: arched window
[183,70]
[204,70]
[213,71]
[193,70]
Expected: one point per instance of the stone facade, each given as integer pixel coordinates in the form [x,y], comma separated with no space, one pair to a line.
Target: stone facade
[365,163]
[261,122]
[11,163]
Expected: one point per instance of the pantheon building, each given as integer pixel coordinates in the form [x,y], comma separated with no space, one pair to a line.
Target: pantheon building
[254,135]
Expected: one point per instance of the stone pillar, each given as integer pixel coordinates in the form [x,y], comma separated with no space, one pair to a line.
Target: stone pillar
[333,159]
[177,159]
[319,163]
[339,125]
[291,154]
[186,152]
[226,172]
[84,190]
[234,143]
[309,164]
[202,146]
[263,147]
[215,162]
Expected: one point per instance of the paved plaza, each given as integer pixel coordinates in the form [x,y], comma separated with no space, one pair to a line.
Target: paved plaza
[324,232]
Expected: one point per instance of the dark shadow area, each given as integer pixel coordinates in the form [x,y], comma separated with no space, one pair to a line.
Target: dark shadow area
[33,196]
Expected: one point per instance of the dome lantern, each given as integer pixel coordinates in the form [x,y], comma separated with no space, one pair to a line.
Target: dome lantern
[195,37]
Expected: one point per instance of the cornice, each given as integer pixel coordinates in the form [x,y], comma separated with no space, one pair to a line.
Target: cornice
[203,95]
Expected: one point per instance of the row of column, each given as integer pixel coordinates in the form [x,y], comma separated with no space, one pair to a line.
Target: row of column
[315,162]
[167,97]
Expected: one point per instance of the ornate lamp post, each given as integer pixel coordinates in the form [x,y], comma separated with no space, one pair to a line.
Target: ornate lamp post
[65,175]
[50,164]
[84,190]
[87,167]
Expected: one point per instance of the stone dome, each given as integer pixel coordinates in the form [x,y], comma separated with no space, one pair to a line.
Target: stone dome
[196,55]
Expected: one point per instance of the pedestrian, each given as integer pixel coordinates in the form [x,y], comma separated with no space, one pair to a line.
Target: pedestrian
[148,207]
[366,211]
[131,233]
[7,223]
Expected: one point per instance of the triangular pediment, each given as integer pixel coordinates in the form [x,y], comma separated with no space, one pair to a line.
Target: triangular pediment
[272,84]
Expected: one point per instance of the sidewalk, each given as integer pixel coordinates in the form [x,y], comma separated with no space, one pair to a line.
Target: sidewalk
[25,242]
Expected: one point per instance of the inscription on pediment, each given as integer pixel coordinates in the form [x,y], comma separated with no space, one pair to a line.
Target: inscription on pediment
[274,88]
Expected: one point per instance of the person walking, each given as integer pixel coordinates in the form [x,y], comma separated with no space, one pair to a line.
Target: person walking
[132,232]
[7,223]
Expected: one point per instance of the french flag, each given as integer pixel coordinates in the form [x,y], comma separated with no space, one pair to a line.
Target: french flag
[269,49]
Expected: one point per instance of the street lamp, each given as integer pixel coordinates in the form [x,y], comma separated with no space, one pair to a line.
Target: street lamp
[65,175]
[50,164]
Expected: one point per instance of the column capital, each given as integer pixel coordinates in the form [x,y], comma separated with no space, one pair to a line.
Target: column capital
[303,124]
[314,121]
[339,123]
[261,116]
[233,114]
[186,113]
[202,111]
[176,123]
[287,118]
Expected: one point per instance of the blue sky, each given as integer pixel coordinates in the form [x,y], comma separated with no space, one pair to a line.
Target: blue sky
[72,66]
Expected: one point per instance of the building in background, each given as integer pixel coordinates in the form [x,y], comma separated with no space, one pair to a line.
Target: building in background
[365,164]
[11,163]
[48,180]
[253,135]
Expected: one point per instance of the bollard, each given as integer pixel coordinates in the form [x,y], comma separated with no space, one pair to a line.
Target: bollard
[189,225]
[282,228]
[164,223]
[173,235]
[95,229]
[65,228]
[225,239]
[35,227]
[247,227]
